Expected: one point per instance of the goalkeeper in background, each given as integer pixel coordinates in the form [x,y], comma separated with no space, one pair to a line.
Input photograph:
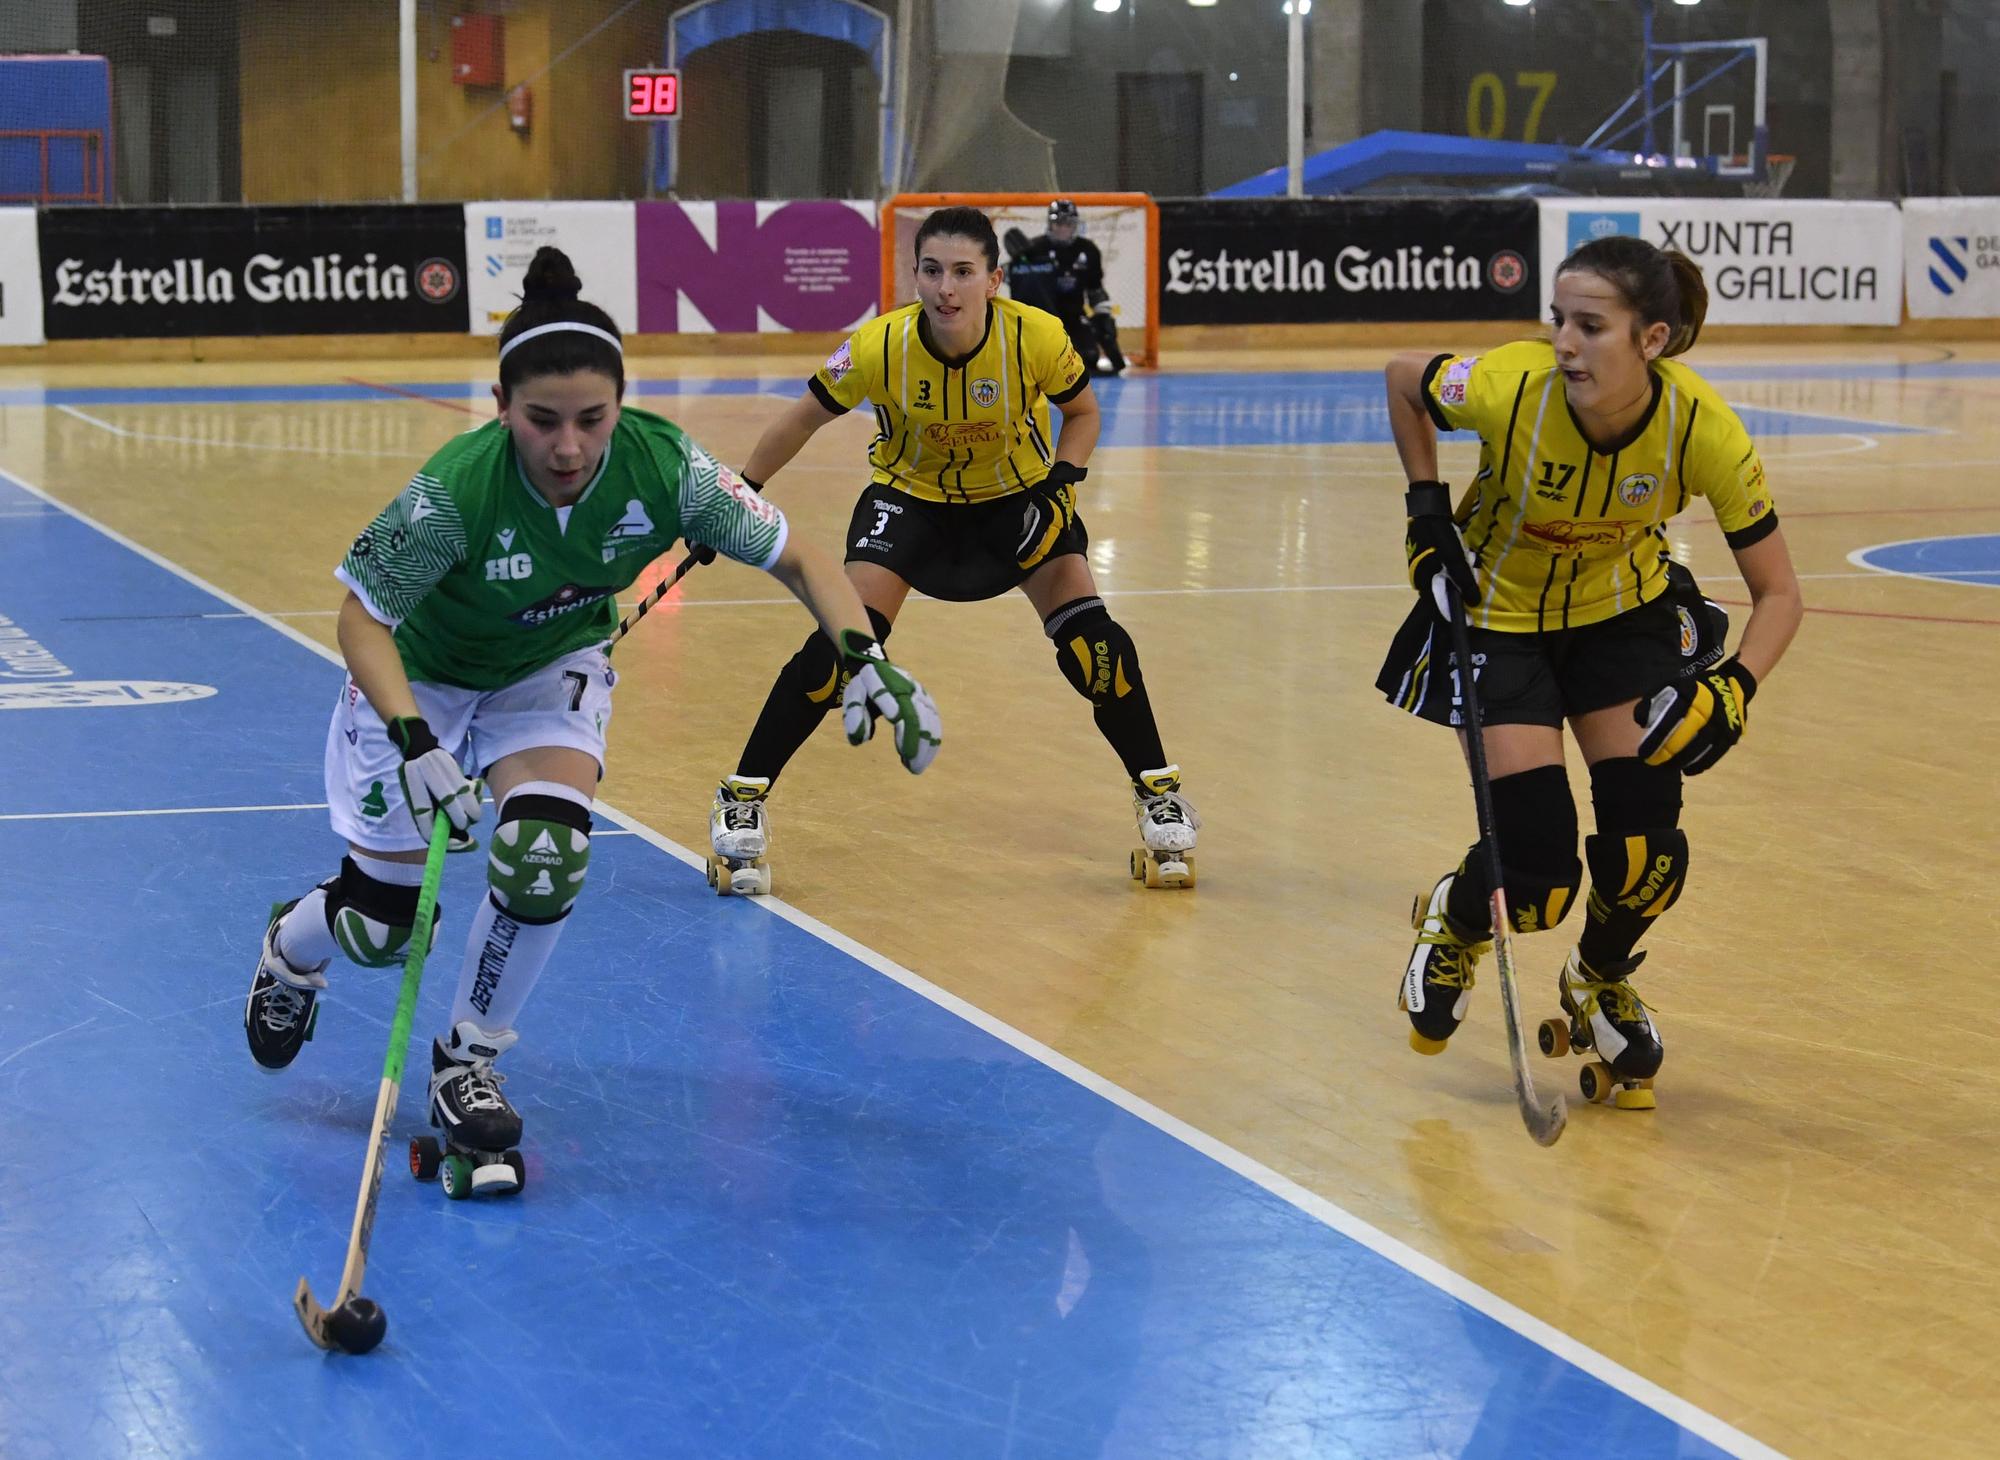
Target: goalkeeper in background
[1063,272]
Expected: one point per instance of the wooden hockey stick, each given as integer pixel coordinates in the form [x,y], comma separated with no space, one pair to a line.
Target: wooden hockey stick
[1545,1122]
[356,1324]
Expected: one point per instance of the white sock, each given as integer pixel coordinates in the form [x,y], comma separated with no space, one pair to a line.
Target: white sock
[304,940]
[503,958]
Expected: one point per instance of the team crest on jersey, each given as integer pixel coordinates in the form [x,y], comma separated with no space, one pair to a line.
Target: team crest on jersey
[634,529]
[1637,489]
[1690,640]
[838,364]
[985,391]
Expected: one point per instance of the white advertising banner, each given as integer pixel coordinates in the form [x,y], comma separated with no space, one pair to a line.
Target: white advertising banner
[20,278]
[1951,257]
[501,239]
[1776,261]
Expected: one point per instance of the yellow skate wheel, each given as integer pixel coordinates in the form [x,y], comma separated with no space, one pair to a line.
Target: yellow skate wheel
[1152,873]
[711,872]
[721,879]
[1553,1037]
[1636,1096]
[1425,1046]
[1596,1083]
[1138,866]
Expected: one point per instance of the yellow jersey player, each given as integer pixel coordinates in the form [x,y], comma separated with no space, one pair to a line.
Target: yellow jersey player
[970,494]
[1589,443]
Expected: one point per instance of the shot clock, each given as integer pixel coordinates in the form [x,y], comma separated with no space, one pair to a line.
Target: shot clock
[652,96]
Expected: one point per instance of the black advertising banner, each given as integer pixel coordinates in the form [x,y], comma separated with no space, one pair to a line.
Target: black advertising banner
[1326,260]
[173,272]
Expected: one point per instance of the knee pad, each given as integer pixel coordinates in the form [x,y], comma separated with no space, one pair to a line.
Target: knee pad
[371,919]
[540,851]
[1097,656]
[1534,816]
[815,670]
[1636,876]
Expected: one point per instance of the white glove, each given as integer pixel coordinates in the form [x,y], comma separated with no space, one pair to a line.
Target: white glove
[432,781]
[877,687]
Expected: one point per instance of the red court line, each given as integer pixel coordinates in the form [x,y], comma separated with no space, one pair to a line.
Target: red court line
[1912,618]
[429,400]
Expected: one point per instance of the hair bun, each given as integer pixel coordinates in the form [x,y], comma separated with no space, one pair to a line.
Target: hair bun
[551,277]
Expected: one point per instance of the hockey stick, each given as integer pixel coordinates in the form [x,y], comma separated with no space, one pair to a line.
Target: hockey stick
[695,555]
[1545,1122]
[356,1324]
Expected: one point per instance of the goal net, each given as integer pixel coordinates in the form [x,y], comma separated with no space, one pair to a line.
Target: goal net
[1124,226]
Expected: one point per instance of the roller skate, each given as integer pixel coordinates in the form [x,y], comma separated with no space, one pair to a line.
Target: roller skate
[739,834]
[1438,982]
[1606,1016]
[283,1007]
[1167,824]
[480,1128]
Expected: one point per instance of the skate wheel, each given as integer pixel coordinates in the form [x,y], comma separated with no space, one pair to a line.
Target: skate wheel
[424,1156]
[711,872]
[518,1167]
[1138,866]
[1553,1037]
[455,1175]
[1151,875]
[1596,1083]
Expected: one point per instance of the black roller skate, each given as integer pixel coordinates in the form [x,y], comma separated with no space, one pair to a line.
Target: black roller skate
[480,1128]
[1606,1016]
[279,1015]
[1438,982]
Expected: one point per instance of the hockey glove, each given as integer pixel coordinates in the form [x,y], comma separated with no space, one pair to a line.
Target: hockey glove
[1435,549]
[1049,509]
[1690,724]
[877,687]
[432,781]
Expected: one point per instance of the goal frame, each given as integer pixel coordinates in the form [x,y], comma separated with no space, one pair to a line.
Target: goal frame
[1147,354]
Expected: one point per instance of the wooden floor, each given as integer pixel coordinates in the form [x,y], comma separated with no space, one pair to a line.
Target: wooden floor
[1801,1239]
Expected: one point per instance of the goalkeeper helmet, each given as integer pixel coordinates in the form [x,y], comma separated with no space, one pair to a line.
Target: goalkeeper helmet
[1062,210]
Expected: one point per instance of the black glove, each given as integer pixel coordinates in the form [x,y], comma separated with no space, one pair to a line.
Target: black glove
[1691,723]
[1435,549]
[1049,507]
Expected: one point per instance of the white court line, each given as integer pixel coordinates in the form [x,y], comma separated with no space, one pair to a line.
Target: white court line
[102,425]
[1856,557]
[156,811]
[1617,1376]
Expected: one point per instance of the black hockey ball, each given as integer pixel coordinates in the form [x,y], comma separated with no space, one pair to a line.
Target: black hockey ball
[357,1325]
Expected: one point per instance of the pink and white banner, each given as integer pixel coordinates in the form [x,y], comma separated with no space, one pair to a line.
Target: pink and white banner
[756,267]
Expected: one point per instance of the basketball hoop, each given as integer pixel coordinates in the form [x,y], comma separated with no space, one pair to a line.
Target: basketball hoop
[1777,172]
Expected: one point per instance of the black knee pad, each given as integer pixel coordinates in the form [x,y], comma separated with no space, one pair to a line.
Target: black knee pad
[1635,875]
[371,920]
[1630,796]
[1534,816]
[1095,653]
[814,672]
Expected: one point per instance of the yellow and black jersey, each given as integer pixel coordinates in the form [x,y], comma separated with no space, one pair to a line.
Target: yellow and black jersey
[1568,534]
[967,430]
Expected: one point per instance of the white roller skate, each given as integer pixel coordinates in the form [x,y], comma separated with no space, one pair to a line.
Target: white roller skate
[480,1128]
[1607,1017]
[1167,827]
[740,836]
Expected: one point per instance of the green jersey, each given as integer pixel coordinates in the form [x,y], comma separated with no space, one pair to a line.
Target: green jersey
[483,582]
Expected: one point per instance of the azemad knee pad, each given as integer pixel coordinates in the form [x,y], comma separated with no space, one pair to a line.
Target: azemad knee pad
[539,854]
[370,919]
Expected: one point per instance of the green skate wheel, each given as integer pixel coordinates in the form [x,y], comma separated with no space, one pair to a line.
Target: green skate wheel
[424,1156]
[455,1174]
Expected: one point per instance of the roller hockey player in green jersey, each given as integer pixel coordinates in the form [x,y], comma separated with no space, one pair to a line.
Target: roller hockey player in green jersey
[478,610]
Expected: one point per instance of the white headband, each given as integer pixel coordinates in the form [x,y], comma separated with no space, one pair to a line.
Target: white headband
[562,324]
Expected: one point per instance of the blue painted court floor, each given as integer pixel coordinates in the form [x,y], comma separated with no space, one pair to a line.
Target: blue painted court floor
[779,1201]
